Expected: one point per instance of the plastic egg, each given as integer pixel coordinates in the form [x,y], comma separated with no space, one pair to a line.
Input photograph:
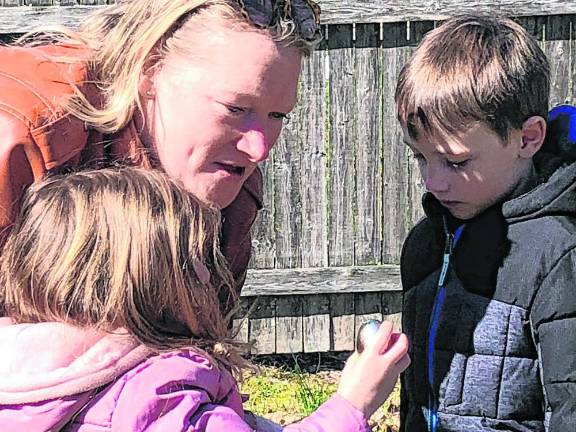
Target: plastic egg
[366,334]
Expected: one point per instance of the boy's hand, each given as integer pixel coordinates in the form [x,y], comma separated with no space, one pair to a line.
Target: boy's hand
[369,378]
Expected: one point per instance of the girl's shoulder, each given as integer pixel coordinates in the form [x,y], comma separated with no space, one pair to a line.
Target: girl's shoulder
[167,389]
[184,368]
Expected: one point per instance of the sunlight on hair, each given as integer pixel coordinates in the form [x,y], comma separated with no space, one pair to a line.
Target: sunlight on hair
[130,38]
[119,248]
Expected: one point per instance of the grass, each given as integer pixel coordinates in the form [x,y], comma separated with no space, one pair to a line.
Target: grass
[287,394]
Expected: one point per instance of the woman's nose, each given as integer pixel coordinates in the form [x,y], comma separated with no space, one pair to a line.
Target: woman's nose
[255,144]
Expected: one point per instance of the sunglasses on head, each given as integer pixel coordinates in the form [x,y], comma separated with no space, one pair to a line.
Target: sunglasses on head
[265,13]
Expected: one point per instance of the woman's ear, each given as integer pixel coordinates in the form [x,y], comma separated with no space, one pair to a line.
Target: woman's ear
[533,134]
[144,115]
[147,83]
[146,87]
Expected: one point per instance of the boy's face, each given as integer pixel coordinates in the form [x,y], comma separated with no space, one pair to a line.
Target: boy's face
[470,172]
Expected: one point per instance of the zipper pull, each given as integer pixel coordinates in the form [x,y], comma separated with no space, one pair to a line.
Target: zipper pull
[446,260]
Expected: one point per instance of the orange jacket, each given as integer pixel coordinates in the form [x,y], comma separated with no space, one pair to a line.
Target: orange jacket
[38,136]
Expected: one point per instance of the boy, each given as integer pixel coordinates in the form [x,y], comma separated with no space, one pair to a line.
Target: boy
[488,274]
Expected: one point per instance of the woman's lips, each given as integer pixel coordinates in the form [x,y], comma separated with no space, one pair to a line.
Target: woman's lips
[231,169]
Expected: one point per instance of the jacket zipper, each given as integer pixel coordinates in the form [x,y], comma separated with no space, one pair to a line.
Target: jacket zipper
[451,240]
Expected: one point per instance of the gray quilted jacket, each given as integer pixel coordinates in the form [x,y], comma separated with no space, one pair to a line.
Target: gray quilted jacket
[493,340]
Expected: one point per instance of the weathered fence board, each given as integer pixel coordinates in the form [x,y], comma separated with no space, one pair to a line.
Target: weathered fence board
[263,232]
[289,325]
[558,50]
[316,323]
[398,208]
[392,308]
[288,176]
[343,322]
[572,78]
[367,307]
[262,326]
[368,130]
[305,321]
[341,181]
[324,280]
[241,322]
[25,17]
[313,86]
[414,187]
[363,11]
[315,310]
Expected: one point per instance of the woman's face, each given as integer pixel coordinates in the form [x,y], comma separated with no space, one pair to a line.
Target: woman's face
[214,117]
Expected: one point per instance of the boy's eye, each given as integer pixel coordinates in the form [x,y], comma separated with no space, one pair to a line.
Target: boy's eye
[419,157]
[457,164]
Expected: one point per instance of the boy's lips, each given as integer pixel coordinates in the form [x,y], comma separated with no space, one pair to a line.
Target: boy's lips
[449,203]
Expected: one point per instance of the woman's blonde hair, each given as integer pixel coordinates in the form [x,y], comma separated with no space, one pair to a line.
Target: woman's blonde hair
[115,248]
[133,37]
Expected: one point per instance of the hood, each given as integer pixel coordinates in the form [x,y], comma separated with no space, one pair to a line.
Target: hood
[49,370]
[556,166]
[555,194]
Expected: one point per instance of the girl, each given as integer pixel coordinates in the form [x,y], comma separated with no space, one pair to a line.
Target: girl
[110,279]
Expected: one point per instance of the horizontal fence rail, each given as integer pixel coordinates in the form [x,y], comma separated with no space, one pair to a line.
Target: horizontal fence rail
[281,314]
[24,15]
[327,280]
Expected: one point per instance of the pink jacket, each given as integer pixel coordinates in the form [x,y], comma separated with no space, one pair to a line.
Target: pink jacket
[54,377]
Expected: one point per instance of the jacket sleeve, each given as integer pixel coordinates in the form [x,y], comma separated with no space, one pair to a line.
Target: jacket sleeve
[335,415]
[553,319]
[21,163]
[171,394]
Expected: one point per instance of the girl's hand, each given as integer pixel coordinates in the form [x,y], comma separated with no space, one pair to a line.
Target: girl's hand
[369,378]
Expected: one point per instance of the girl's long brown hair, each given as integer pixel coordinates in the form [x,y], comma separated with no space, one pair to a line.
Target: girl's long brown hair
[117,248]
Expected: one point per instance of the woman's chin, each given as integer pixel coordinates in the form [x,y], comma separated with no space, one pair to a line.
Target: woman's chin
[218,197]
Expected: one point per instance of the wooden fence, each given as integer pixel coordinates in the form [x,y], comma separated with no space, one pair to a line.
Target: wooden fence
[341,189]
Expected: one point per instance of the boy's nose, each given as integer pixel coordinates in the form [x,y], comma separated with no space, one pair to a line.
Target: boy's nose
[255,145]
[434,180]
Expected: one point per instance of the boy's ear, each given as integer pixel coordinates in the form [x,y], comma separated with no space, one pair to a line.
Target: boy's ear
[533,134]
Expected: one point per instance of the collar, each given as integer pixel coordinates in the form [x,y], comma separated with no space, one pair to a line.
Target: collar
[126,147]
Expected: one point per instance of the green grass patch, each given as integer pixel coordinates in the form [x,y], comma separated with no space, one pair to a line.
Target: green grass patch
[285,396]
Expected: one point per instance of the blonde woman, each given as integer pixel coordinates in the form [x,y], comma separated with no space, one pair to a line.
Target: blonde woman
[197,88]
[111,280]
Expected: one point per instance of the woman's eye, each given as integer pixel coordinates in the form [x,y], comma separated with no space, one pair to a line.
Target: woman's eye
[280,116]
[235,109]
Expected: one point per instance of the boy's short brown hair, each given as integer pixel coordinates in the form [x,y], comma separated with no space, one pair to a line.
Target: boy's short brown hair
[473,69]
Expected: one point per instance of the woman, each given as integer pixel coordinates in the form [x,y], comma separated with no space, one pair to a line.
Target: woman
[197,88]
